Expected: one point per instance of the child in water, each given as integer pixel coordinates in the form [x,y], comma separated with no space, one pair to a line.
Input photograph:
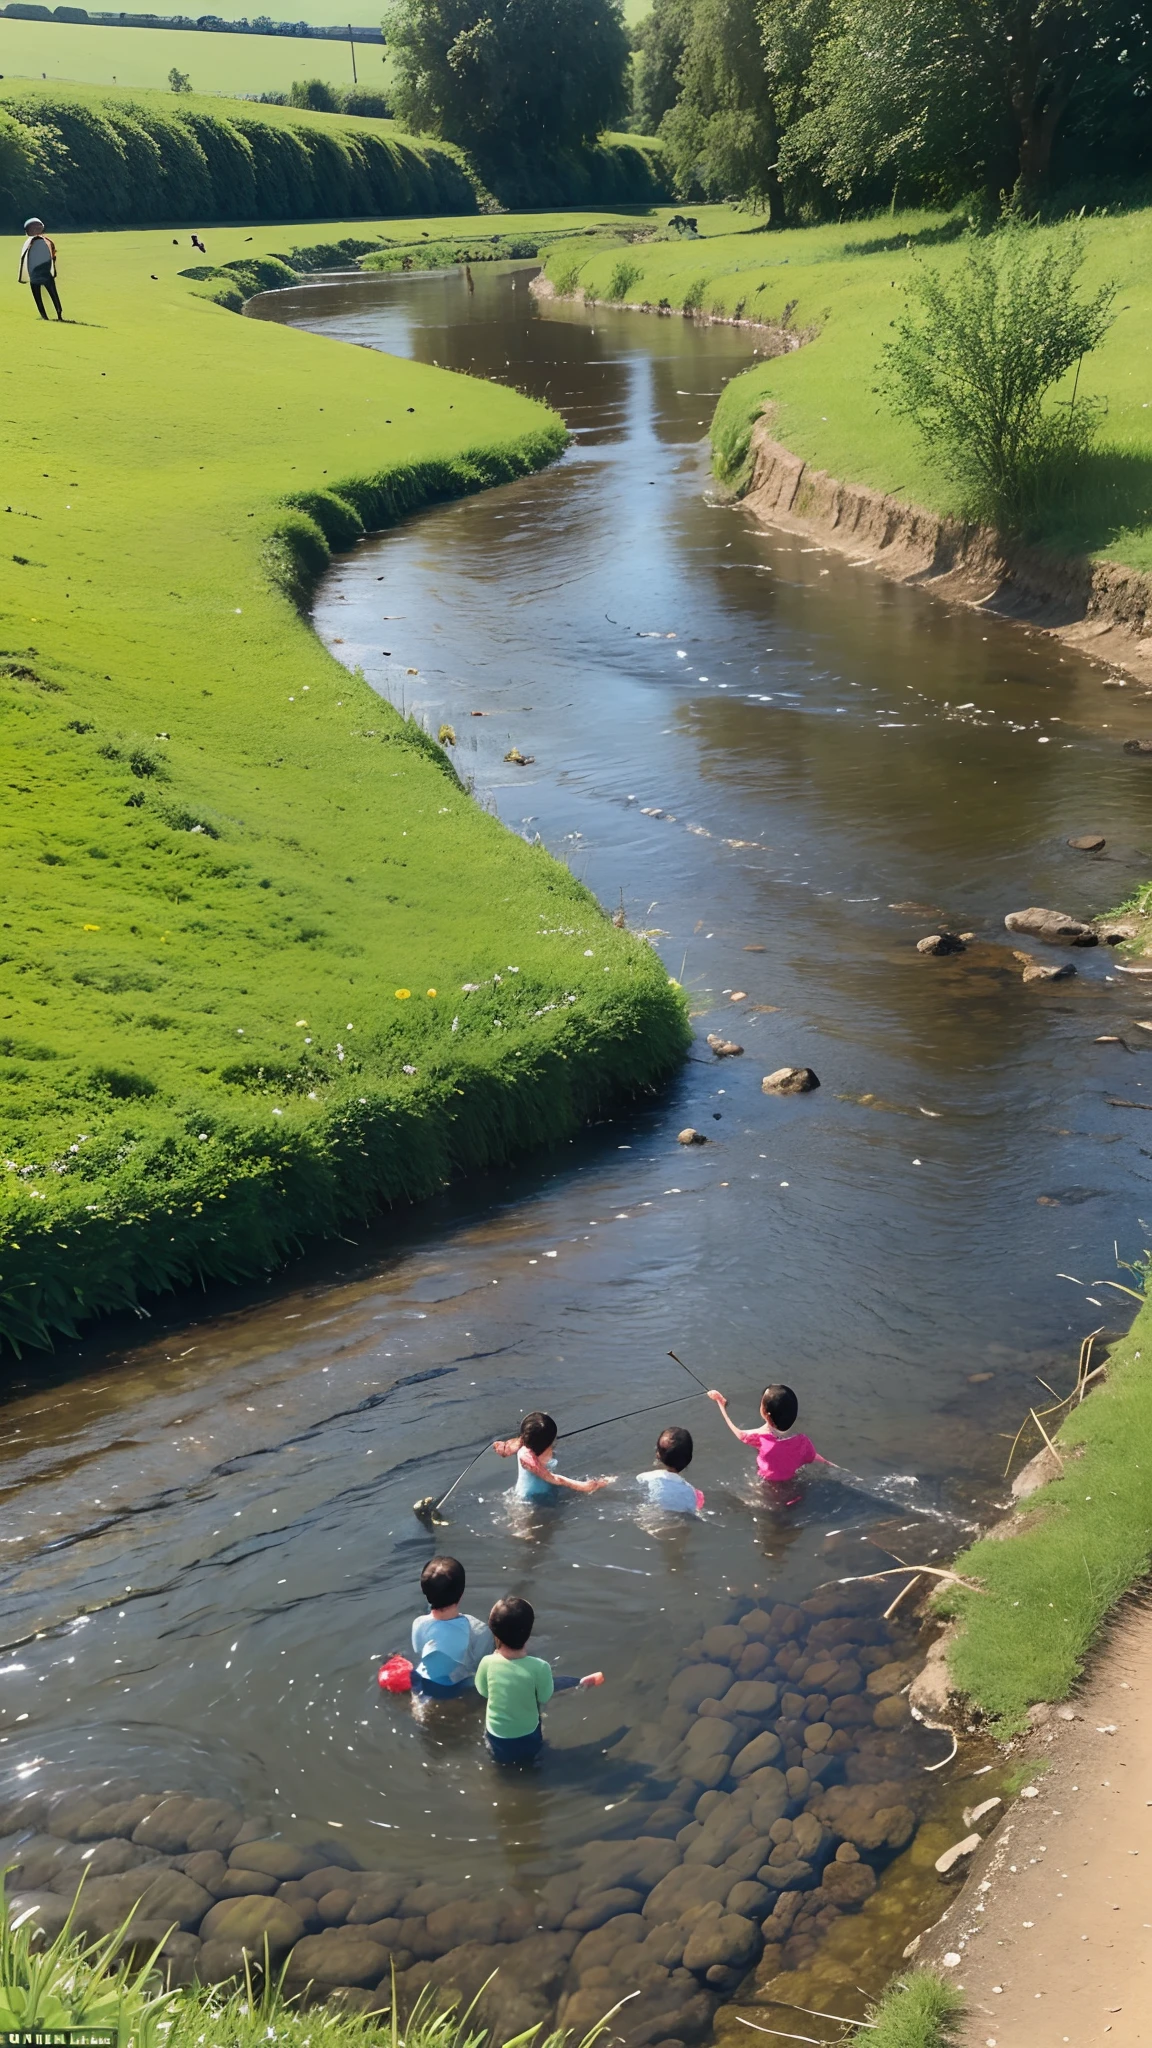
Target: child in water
[516,1685]
[535,1458]
[447,1645]
[778,1455]
[663,1485]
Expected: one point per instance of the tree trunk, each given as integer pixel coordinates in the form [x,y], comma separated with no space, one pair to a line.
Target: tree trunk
[1037,134]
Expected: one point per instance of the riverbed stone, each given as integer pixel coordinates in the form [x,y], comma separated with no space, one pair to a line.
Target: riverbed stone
[753,1660]
[890,1678]
[703,1681]
[335,1907]
[118,1818]
[36,1864]
[242,1884]
[376,1898]
[181,1822]
[247,1922]
[730,1941]
[693,1884]
[179,1957]
[750,1696]
[281,1860]
[892,1712]
[941,942]
[790,1081]
[719,1642]
[46,1911]
[105,1859]
[1053,926]
[166,1896]
[847,1885]
[1089,842]
[1037,971]
[203,1866]
[763,1749]
[601,1906]
[750,1898]
[341,1955]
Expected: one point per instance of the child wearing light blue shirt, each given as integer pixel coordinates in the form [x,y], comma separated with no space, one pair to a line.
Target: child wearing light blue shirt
[446,1645]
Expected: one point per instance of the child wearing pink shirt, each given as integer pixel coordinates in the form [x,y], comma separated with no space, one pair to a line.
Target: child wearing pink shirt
[778,1455]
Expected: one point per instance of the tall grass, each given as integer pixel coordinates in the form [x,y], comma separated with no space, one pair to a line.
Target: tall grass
[68,1982]
[918,2011]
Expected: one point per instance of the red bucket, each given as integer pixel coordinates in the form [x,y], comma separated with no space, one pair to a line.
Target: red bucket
[395,1674]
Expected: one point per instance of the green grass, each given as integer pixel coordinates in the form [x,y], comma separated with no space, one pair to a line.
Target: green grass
[213,832]
[1087,1539]
[844,284]
[917,2011]
[215,63]
[117,1986]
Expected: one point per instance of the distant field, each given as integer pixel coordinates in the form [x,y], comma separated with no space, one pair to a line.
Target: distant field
[215,63]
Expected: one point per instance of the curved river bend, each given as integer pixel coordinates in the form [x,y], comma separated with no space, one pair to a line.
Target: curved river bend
[788,772]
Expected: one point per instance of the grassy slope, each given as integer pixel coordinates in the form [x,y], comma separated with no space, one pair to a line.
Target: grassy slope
[823,399]
[144,57]
[1050,1588]
[156,680]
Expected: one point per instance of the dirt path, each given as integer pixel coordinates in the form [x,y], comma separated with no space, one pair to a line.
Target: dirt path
[1054,1926]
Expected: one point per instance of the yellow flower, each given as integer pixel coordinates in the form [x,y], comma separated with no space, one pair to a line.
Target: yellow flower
[402,995]
[431,991]
[91,927]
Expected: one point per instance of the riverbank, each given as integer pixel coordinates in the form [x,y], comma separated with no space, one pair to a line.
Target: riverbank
[267,964]
[839,464]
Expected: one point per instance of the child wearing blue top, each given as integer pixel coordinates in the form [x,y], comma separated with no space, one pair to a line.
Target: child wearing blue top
[447,1646]
[536,1476]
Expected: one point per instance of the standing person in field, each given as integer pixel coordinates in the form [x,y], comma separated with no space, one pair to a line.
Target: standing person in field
[38,261]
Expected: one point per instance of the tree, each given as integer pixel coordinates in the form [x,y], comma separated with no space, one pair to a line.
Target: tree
[939,95]
[179,81]
[660,41]
[510,76]
[722,134]
[975,360]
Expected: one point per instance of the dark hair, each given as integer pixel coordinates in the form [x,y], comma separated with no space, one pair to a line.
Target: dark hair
[674,1448]
[442,1581]
[511,1622]
[538,1431]
[780,1406]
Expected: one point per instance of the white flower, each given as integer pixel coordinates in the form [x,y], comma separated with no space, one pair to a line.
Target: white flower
[407,1070]
[277,1112]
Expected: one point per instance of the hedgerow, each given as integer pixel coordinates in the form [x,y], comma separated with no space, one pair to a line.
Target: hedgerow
[88,155]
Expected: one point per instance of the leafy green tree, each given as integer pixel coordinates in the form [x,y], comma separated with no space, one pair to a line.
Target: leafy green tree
[179,81]
[510,76]
[659,41]
[977,357]
[722,132]
[935,96]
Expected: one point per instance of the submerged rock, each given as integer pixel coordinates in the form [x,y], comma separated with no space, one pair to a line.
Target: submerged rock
[941,942]
[1052,926]
[690,1137]
[790,1081]
[1091,842]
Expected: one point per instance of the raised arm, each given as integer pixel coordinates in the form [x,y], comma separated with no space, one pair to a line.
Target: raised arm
[721,1401]
[506,1446]
[544,1471]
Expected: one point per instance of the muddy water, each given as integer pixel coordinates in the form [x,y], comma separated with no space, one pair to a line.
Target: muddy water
[787,772]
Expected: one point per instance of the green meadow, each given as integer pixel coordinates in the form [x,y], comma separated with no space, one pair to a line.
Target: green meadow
[842,287]
[265,963]
[214,63]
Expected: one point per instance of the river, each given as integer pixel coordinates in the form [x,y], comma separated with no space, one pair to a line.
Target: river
[787,771]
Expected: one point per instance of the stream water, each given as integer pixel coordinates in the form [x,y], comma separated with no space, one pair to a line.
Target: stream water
[788,771]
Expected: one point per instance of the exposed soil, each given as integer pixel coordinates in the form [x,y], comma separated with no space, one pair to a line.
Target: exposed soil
[1053,1928]
[1100,608]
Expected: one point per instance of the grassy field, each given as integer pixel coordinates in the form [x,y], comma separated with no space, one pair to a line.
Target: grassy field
[243,898]
[144,57]
[844,283]
[1087,1539]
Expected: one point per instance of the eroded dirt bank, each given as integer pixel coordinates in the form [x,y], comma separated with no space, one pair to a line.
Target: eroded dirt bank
[1100,608]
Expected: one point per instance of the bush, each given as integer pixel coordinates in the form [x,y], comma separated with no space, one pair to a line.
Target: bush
[694,296]
[919,2011]
[315,93]
[974,363]
[623,277]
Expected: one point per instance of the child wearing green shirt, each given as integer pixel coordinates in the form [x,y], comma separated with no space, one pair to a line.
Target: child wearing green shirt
[516,1685]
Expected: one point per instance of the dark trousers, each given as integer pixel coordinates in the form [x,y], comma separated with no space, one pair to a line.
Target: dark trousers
[38,291]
